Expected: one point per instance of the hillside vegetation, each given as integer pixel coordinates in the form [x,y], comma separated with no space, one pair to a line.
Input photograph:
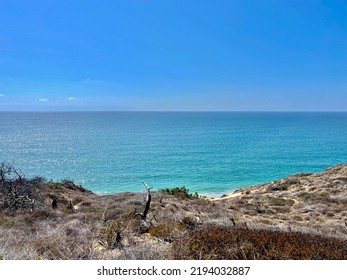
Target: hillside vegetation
[303,216]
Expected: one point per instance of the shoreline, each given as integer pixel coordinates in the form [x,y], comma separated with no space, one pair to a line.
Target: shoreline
[210,154]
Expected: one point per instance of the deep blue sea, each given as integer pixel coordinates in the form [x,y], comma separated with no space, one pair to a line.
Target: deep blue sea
[208,152]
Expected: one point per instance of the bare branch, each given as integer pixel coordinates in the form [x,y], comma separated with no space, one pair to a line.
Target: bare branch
[148,203]
[16,192]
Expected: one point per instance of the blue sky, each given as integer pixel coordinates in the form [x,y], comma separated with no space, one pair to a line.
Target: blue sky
[228,55]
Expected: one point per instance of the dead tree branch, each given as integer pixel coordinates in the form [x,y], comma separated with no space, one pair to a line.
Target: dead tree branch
[16,192]
[148,203]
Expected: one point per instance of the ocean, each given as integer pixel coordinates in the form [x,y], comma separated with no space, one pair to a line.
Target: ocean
[211,153]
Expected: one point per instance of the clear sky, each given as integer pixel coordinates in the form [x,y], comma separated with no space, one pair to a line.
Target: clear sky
[229,55]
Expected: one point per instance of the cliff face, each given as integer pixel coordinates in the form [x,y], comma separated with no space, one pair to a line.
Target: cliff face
[303,209]
[312,202]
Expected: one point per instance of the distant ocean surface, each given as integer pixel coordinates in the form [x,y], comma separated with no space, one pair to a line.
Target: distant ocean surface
[209,153]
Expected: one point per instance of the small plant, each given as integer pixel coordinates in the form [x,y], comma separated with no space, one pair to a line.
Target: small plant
[190,222]
[68,182]
[304,195]
[277,201]
[109,235]
[56,185]
[167,230]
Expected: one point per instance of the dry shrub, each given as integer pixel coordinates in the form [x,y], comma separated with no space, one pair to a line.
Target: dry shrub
[283,185]
[91,219]
[322,197]
[190,222]
[41,215]
[239,202]
[108,232]
[167,230]
[304,195]
[128,227]
[215,242]
[281,209]
[144,251]
[317,197]
[77,200]
[298,218]
[3,219]
[278,201]
[266,222]
[86,204]
[70,241]
[14,245]
[113,213]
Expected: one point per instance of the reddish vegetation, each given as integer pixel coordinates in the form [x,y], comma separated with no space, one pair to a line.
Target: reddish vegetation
[215,243]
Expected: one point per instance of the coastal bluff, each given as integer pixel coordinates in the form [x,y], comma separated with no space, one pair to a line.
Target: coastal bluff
[307,201]
[303,216]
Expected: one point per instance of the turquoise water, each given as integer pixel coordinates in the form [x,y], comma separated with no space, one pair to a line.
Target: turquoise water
[211,153]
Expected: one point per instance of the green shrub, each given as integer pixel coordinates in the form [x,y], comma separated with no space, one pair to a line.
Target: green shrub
[181,192]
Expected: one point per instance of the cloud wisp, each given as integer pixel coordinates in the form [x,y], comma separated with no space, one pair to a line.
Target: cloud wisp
[43,100]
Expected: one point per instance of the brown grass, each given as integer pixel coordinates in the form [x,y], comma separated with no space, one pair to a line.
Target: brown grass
[303,217]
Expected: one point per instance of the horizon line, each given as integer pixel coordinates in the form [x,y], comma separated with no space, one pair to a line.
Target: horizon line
[172,111]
